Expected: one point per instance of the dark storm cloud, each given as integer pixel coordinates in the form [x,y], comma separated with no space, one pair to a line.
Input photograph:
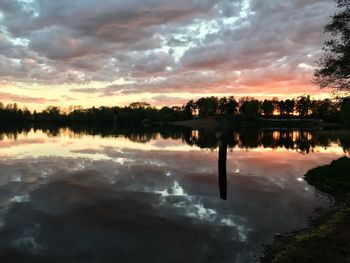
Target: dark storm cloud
[163,46]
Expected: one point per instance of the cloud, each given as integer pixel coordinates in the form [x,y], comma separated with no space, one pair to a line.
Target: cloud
[18,98]
[85,90]
[157,46]
[165,100]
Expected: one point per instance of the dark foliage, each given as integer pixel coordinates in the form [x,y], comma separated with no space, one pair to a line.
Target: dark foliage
[247,108]
[334,66]
[332,178]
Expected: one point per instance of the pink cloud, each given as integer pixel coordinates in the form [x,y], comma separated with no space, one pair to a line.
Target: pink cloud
[25,99]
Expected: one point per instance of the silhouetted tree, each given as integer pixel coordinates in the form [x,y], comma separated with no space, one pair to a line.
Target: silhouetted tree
[289,106]
[249,107]
[267,107]
[303,105]
[325,110]
[189,109]
[281,107]
[334,67]
[139,105]
[228,106]
[207,106]
[345,110]
[142,113]
[232,105]
[223,105]
[275,103]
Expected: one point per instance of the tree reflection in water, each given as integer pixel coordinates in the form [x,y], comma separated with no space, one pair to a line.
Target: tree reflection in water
[93,198]
[303,141]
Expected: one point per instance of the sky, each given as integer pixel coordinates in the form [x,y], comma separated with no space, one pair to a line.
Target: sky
[165,52]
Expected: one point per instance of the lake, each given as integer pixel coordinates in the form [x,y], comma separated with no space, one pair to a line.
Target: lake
[104,194]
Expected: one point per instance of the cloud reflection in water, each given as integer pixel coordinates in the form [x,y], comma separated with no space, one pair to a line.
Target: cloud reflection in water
[114,201]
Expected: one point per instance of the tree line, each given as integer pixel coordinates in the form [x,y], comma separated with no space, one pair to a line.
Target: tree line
[251,108]
[246,108]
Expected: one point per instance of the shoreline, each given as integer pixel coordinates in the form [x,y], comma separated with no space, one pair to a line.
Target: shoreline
[327,236]
[212,123]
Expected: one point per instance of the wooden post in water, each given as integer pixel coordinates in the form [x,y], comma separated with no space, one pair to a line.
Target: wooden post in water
[222,166]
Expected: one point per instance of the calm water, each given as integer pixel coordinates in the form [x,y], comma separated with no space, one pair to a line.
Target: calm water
[107,195]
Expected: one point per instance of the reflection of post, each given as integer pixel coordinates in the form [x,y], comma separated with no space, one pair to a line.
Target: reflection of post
[222,167]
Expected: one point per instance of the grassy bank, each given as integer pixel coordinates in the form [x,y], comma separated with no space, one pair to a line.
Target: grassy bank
[333,178]
[327,239]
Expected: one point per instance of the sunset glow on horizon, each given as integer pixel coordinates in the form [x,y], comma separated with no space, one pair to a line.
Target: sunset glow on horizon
[106,53]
